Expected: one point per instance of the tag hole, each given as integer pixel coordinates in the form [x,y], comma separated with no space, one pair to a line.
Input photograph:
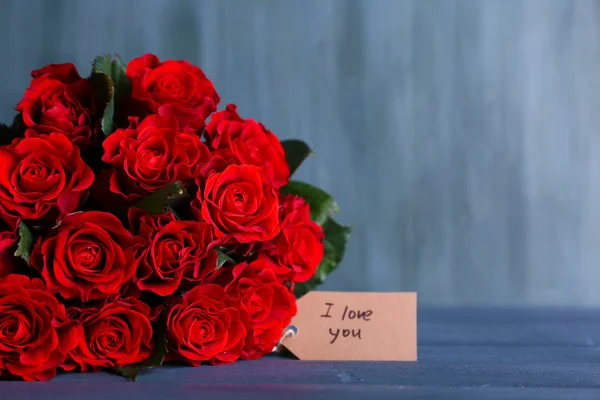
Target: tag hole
[290,331]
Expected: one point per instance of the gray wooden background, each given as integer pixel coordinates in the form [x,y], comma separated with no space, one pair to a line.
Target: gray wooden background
[462,136]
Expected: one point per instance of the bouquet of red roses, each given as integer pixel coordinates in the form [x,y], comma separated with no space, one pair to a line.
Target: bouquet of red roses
[139,225]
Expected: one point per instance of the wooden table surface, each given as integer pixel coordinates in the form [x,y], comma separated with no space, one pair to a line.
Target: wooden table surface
[463,354]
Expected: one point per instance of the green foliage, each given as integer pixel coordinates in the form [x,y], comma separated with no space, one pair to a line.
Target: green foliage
[111,83]
[25,242]
[322,207]
[336,238]
[4,130]
[322,204]
[158,202]
[223,259]
[296,151]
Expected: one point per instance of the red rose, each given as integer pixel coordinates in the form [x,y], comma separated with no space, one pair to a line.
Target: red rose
[240,204]
[218,161]
[115,333]
[175,88]
[206,325]
[270,304]
[250,142]
[151,156]
[42,176]
[299,247]
[59,100]
[65,73]
[174,250]
[33,335]
[88,256]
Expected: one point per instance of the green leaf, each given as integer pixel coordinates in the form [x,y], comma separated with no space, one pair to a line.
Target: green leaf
[6,134]
[156,359]
[322,205]
[336,238]
[296,151]
[9,132]
[178,203]
[4,129]
[116,84]
[223,259]
[158,202]
[105,90]
[25,242]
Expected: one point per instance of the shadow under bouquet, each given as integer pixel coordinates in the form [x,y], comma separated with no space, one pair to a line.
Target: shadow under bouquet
[139,224]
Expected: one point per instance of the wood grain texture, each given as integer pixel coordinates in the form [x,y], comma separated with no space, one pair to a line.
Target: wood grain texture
[490,362]
[461,135]
[192,391]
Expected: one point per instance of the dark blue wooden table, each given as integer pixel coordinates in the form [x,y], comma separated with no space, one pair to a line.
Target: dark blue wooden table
[463,354]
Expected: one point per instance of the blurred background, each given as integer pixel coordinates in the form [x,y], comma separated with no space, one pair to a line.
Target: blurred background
[462,136]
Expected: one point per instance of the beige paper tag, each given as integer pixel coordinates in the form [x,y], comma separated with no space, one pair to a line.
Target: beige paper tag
[363,326]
